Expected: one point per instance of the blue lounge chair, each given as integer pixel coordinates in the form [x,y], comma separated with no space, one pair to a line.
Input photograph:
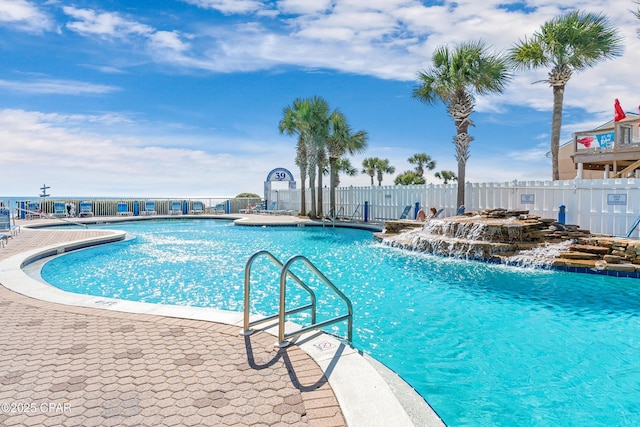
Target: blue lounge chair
[271,209]
[405,212]
[403,215]
[176,208]
[33,210]
[219,208]
[86,209]
[123,209]
[59,210]
[6,228]
[149,208]
[197,208]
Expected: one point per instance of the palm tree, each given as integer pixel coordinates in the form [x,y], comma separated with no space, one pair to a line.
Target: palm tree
[309,119]
[568,43]
[341,140]
[409,178]
[292,122]
[319,131]
[453,79]
[422,160]
[345,166]
[446,176]
[383,167]
[369,166]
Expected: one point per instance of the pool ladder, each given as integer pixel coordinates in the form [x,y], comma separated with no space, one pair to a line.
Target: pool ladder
[282,312]
[331,217]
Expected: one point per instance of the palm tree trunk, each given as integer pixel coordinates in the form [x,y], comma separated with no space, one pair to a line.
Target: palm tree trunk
[312,187]
[462,141]
[462,168]
[303,192]
[332,184]
[320,167]
[556,123]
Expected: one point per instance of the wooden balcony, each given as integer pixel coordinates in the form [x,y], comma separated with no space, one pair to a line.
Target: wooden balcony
[614,147]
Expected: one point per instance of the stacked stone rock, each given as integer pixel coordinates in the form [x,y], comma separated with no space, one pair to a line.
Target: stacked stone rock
[517,230]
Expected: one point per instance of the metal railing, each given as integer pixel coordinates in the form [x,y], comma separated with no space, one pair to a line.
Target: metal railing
[332,217]
[247,293]
[50,216]
[285,272]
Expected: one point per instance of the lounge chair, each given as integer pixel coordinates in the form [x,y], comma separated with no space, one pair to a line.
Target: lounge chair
[219,208]
[436,213]
[251,209]
[149,208]
[176,208]
[6,228]
[59,210]
[86,209]
[33,210]
[197,209]
[403,215]
[405,212]
[271,209]
[123,209]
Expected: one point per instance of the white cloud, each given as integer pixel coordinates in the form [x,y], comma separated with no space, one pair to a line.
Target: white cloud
[168,40]
[103,24]
[303,7]
[229,6]
[388,39]
[51,148]
[23,15]
[58,87]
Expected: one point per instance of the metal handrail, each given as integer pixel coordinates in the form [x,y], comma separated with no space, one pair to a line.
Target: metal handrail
[283,293]
[50,216]
[355,212]
[332,216]
[247,291]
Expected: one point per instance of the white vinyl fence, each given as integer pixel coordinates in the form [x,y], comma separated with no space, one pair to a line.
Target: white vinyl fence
[602,206]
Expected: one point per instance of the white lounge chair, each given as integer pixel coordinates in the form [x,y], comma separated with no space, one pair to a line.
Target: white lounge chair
[33,210]
[198,208]
[86,209]
[6,228]
[149,208]
[176,208]
[59,210]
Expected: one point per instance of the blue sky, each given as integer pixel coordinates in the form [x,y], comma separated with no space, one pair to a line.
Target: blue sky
[183,97]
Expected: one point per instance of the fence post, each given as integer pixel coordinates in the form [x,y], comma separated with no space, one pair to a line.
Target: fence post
[415,213]
[366,211]
[562,217]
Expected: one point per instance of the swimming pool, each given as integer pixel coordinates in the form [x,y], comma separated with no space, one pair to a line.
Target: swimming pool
[484,344]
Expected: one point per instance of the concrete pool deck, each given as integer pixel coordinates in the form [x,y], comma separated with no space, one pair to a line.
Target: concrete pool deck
[68,359]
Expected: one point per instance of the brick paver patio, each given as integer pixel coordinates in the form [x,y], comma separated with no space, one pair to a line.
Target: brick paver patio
[75,366]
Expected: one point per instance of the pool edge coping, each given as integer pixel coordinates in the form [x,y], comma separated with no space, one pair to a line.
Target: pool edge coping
[374,402]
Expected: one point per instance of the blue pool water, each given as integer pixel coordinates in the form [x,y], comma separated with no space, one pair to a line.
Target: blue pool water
[486,345]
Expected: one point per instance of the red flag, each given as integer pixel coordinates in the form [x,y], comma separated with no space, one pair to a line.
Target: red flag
[619,113]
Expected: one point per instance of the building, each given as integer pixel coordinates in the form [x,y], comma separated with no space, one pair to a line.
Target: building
[609,151]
